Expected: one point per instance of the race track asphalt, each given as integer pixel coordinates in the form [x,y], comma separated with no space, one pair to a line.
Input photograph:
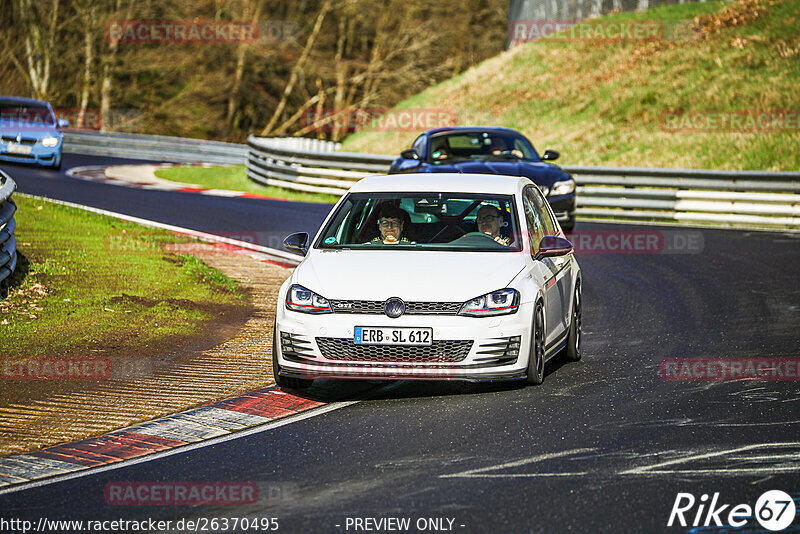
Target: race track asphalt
[604,445]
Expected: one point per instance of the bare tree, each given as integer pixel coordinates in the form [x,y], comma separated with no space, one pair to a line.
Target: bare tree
[38,25]
[87,12]
[108,60]
[252,11]
[326,6]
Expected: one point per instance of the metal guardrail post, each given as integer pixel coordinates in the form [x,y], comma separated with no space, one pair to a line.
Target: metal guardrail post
[8,244]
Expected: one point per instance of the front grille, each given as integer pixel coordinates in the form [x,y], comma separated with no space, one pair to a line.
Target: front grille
[442,351]
[23,141]
[375,307]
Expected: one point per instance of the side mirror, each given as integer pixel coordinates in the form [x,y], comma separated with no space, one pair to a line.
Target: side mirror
[551,245]
[62,123]
[550,155]
[411,153]
[297,242]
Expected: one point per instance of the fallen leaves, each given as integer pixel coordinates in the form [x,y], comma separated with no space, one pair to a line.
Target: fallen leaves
[736,14]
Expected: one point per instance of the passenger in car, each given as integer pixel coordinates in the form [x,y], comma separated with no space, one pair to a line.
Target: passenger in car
[391,224]
[489,220]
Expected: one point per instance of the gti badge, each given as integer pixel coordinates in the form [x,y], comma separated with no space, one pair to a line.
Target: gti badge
[394,307]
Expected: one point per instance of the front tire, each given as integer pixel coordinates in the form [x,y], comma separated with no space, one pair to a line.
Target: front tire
[573,350]
[536,350]
[285,382]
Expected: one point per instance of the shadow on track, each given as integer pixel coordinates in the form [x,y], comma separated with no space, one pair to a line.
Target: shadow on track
[373,390]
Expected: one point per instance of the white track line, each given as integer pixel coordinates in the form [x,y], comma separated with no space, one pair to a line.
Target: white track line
[481,472]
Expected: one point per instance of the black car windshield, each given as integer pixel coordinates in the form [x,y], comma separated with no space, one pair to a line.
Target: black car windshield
[25,113]
[449,146]
[424,221]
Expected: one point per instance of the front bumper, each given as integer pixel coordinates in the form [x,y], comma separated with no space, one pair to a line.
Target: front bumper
[563,207]
[40,155]
[464,348]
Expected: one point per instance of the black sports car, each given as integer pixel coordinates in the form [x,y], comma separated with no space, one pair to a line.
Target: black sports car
[491,150]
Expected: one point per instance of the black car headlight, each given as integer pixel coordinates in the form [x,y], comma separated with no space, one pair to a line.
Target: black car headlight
[501,302]
[562,188]
[304,300]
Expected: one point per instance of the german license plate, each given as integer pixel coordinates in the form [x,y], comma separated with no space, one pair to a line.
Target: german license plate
[380,335]
[14,148]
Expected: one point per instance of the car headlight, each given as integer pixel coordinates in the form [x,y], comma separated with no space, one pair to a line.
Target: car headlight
[50,141]
[502,302]
[563,188]
[545,191]
[304,300]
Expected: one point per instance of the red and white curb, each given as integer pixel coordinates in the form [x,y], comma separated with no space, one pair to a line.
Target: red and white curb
[213,420]
[97,173]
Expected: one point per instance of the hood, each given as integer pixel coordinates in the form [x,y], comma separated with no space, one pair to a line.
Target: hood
[539,172]
[410,275]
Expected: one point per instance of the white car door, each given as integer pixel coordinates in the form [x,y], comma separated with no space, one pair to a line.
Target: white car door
[552,300]
[561,266]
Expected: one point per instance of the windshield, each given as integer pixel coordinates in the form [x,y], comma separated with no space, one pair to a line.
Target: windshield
[424,221]
[447,147]
[25,113]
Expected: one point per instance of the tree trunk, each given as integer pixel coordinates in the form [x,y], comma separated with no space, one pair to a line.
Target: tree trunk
[241,53]
[108,61]
[39,43]
[341,76]
[88,52]
[297,68]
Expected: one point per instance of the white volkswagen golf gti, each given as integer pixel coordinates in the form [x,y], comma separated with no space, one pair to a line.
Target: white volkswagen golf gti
[430,276]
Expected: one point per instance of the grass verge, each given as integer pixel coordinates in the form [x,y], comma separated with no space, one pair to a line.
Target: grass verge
[88,283]
[235,179]
[606,103]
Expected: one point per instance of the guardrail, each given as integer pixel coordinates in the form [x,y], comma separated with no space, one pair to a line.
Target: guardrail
[8,244]
[756,198]
[273,162]
[154,147]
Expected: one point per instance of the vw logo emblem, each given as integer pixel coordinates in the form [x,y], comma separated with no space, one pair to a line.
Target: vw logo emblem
[394,307]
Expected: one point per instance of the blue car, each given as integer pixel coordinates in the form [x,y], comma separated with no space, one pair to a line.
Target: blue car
[30,132]
[491,150]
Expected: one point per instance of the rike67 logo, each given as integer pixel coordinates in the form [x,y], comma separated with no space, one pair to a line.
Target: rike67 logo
[775,510]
